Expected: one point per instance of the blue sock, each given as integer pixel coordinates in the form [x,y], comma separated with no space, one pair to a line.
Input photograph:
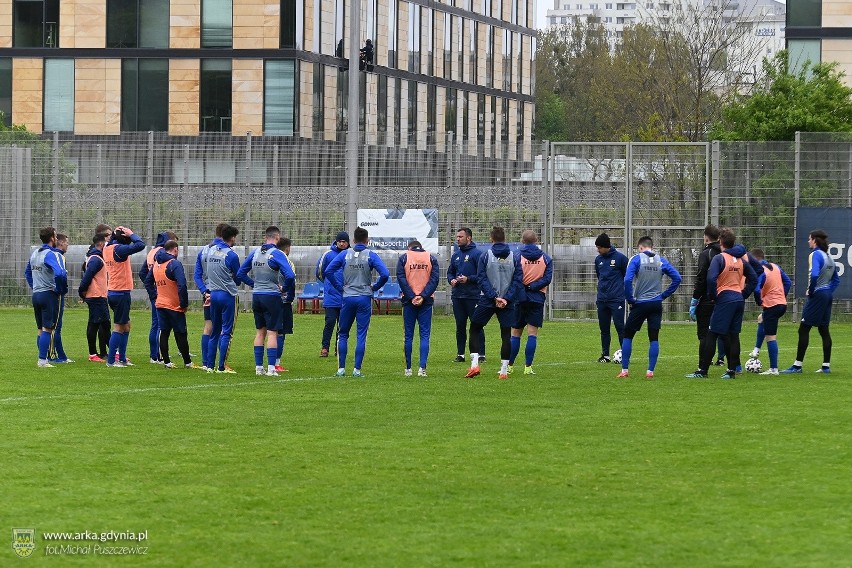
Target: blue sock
[122,346]
[772,347]
[653,355]
[272,355]
[515,348]
[626,350]
[205,339]
[280,353]
[258,355]
[529,352]
[43,344]
[760,335]
[114,342]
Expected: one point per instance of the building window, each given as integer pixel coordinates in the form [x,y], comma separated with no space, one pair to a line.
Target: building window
[465,116]
[392,34]
[431,113]
[493,136]
[339,28]
[807,13]
[382,108]
[450,112]
[59,95]
[371,29]
[137,23]
[480,118]
[397,111]
[6,90]
[508,40]
[489,56]
[293,24]
[504,122]
[412,113]
[279,97]
[318,115]
[520,136]
[217,23]
[430,48]
[342,104]
[474,28]
[448,46]
[460,48]
[215,95]
[36,23]
[144,80]
[800,51]
[413,37]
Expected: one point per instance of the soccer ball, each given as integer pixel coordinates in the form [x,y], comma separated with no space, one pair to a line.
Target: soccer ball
[753,365]
[616,357]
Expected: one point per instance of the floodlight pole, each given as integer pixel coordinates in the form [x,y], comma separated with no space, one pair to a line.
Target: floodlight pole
[353,114]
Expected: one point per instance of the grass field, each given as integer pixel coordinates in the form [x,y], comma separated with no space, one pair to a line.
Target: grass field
[570,467]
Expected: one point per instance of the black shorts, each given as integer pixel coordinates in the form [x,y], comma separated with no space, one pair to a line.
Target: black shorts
[486,308]
[652,312]
[529,313]
[98,310]
[120,304]
[771,317]
[268,311]
[287,320]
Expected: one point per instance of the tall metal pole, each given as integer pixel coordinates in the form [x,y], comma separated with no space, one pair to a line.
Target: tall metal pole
[353,114]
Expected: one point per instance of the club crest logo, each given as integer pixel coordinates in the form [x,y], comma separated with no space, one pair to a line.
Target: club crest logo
[23,542]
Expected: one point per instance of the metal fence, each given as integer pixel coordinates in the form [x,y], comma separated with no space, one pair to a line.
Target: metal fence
[567,192]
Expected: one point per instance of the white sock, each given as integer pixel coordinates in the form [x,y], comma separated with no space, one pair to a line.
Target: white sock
[474,359]
[826,364]
[258,367]
[341,370]
[504,365]
[271,369]
[797,363]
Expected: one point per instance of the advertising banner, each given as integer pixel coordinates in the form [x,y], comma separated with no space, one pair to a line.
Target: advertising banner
[393,229]
[837,223]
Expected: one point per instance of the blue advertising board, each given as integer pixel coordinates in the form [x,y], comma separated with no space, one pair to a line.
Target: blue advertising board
[837,223]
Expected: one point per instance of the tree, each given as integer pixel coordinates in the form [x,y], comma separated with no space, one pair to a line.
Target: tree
[812,99]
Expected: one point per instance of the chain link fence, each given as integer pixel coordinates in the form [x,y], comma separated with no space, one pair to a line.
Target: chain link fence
[567,192]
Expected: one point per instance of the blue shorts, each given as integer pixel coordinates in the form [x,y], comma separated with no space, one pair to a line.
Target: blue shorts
[817,310]
[98,310]
[652,312]
[287,320]
[486,308]
[529,313]
[771,317]
[727,318]
[46,308]
[120,304]
[268,311]
[171,320]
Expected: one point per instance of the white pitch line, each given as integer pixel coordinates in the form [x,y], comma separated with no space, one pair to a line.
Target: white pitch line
[164,388]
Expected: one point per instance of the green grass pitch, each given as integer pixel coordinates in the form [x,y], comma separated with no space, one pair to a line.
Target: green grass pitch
[571,467]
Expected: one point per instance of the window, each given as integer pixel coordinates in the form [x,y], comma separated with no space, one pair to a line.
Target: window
[382,108]
[318,116]
[465,115]
[293,24]
[392,35]
[474,27]
[279,97]
[800,51]
[397,111]
[342,104]
[430,48]
[59,95]
[448,46]
[480,118]
[216,23]
[508,39]
[450,111]
[460,48]
[144,80]
[6,89]
[215,95]
[339,27]
[36,23]
[412,113]
[805,13]
[489,56]
[504,115]
[413,37]
[608,6]
[371,29]
[431,113]
[137,23]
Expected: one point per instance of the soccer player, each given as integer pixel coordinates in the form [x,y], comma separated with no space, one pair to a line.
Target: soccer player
[222,280]
[643,289]
[93,291]
[417,273]
[537,269]
[701,305]
[200,277]
[823,281]
[151,288]
[356,265]
[117,252]
[331,298]
[461,274]
[288,294]
[170,300]
[57,352]
[730,280]
[773,285]
[500,279]
[610,268]
[46,275]
[265,263]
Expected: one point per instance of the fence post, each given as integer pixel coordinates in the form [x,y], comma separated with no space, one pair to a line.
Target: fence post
[247,200]
[547,185]
[628,195]
[55,179]
[275,187]
[712,200]
[796,196]
[185,198]
[149,191]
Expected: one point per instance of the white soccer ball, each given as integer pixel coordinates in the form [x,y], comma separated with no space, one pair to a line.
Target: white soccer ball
[753,365]
[616,357]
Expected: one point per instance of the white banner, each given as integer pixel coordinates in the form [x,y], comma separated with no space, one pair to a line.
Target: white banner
[393,229]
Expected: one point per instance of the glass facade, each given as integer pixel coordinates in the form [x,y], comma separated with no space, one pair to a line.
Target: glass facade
[6,89]
[35,23]
[279,97]
[293,24]
[144,95]
[215,95]
[804,13]
[137,23]
[59,95]
[217,23]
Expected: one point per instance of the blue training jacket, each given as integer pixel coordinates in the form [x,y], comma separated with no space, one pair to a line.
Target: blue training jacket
[611,268]
[465,262]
